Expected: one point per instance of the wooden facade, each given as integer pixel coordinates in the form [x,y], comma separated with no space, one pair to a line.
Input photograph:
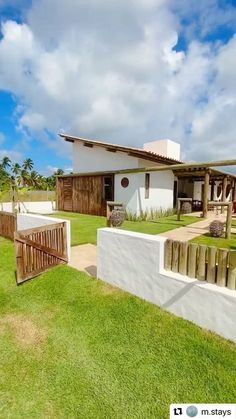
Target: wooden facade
[85,194]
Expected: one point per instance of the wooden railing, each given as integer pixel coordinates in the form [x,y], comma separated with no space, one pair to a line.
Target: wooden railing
[7,224]
[206,263]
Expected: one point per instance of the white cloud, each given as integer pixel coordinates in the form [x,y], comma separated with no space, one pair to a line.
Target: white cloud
[15,156]
[109,70]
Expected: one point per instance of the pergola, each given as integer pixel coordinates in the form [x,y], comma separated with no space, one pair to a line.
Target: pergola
[208,176]
[202,171]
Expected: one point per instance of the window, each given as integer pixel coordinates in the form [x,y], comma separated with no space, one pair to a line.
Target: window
[147,185]
[124,182]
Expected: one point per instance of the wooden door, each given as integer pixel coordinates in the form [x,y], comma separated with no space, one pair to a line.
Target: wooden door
[67,194]
[90,194]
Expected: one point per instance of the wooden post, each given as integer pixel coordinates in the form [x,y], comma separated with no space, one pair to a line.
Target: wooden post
[234,195]
[211,264]
[168,254]
[183,258]
[175,256]
[178,209]
[229,220]
[192,260]
[201,271]
[231,283]
[224,187]
[222,267]
[206,193]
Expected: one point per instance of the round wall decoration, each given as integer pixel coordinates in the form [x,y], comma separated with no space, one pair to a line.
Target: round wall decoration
[124,182]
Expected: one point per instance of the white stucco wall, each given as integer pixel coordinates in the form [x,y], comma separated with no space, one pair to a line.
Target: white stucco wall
[160,192]
[45,207]
[134,262]
[26,221]
[97,159]
[164,147]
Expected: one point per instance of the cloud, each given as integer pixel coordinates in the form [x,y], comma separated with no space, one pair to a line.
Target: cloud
[110,70]
[15,156]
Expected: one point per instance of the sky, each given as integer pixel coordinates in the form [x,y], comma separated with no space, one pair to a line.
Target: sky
[122,71]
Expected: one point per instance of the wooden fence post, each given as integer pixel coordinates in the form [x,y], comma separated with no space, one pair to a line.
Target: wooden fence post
[229,220]
[201,271]
[168,255]
[211,265]
[231,283]
[222,267]
[175,256]
[183,258]
[192,260]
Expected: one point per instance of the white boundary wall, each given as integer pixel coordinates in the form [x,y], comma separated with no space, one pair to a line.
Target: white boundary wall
[25,221]
[134,262]
[44,207]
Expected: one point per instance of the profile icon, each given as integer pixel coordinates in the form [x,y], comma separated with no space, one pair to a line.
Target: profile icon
[192,411]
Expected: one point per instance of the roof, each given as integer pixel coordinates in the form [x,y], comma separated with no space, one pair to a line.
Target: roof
[131,151]
[180,168]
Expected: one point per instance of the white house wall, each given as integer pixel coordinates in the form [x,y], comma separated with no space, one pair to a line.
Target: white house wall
[160,191]
[97,159]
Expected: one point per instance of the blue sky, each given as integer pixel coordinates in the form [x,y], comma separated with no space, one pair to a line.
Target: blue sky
[125,72]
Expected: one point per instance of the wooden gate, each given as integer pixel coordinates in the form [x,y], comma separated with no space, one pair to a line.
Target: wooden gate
[39,249]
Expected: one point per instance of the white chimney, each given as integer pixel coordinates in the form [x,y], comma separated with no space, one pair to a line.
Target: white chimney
[167,148]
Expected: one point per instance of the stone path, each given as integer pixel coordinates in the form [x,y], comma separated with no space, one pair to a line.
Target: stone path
[191,231]
[84,258]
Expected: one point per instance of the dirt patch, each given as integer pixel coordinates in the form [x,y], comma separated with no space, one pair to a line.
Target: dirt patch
[27,333]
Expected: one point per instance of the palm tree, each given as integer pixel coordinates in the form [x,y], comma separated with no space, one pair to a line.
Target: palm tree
[35,179]
[59,172]
[6,162]
[28,164]
[16,168]
[24,177]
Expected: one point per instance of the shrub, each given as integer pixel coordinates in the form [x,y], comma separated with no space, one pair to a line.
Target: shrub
[216,228]
[150,215]
[186,208]
[117,218]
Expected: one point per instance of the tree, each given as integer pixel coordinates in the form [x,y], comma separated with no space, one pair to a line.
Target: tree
[16,168]
[28,164]
[6,162]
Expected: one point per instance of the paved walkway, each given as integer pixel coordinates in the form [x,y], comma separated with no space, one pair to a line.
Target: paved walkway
[191,231]
[84,258]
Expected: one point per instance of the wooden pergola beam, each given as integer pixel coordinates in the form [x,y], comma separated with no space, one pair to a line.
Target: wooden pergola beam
[181,166]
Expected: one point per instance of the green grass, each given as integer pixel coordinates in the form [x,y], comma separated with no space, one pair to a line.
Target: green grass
[84,227]
[74,347]
[218,242]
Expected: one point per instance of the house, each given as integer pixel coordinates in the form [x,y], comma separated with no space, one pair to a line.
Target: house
[143,179]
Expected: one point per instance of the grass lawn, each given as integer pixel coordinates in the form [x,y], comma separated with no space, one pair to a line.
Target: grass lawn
[74,347]
[84,227]
[218,242]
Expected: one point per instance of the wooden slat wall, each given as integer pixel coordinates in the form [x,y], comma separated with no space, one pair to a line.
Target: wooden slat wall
[216,266]
[7,224]
[81,194]
[40,248]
